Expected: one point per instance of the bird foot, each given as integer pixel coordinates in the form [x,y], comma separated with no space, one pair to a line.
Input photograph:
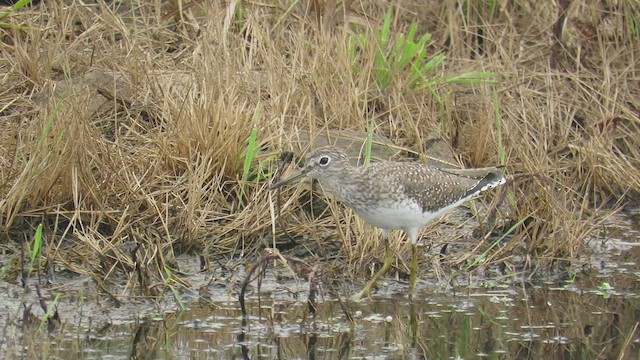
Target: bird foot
[361,295]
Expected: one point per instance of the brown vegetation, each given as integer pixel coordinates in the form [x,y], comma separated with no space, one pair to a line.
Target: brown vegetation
[128,122]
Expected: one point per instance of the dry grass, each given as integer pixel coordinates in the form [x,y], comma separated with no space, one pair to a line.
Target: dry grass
[128,122]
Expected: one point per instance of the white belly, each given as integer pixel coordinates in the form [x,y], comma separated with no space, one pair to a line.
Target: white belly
[407,215]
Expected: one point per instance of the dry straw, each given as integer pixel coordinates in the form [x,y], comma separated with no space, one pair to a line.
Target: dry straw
[126,126]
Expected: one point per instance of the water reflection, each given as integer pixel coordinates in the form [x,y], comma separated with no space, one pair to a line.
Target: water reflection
[526,324]
[592,315]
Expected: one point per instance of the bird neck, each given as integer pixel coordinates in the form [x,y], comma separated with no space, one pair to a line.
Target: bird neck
[343,184]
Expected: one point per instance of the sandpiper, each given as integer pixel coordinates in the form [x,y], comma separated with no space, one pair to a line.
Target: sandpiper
[395,195]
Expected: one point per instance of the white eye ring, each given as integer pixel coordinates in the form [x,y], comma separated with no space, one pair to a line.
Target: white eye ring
[324,160]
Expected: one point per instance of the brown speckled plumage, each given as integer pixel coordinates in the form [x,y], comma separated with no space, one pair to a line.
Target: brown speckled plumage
[385,183]
[395,195]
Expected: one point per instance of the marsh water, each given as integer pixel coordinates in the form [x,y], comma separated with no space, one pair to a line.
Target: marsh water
[592,314]
[530,323]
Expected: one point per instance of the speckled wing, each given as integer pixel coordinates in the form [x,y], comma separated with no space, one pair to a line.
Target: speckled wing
[435,188]
[476,173]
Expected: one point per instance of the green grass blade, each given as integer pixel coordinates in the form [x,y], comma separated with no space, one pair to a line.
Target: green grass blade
[240,13]
[15,7]
[432,63]
[418,78]
[474,77]
[11,10]
[51,309]
[369,142]
[252,148]
[250,153]
[5,25]
[286,14]
[482,257]
[493,5]
[634,19]
[382,64]
[35,250]
[386,28]
[176,294]
[498,121]
[49,125]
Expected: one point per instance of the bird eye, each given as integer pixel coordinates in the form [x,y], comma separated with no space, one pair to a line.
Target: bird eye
[324,161]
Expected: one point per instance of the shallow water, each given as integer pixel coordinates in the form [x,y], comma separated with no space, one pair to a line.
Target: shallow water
[525,323]
[592,315]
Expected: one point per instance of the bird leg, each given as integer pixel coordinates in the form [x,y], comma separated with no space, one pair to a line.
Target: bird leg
[414,268]
[388,260]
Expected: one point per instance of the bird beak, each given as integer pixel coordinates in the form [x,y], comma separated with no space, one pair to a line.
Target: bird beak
[291,179]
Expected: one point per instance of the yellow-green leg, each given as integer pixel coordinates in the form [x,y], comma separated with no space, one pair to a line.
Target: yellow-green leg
[413,274]
[388,260]
[412,233]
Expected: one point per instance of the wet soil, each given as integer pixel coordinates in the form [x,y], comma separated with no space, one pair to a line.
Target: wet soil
[591,311]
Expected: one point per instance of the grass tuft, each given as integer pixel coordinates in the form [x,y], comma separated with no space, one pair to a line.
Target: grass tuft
[123,128]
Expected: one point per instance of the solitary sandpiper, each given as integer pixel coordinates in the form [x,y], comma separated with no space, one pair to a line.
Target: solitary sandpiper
[395,195]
